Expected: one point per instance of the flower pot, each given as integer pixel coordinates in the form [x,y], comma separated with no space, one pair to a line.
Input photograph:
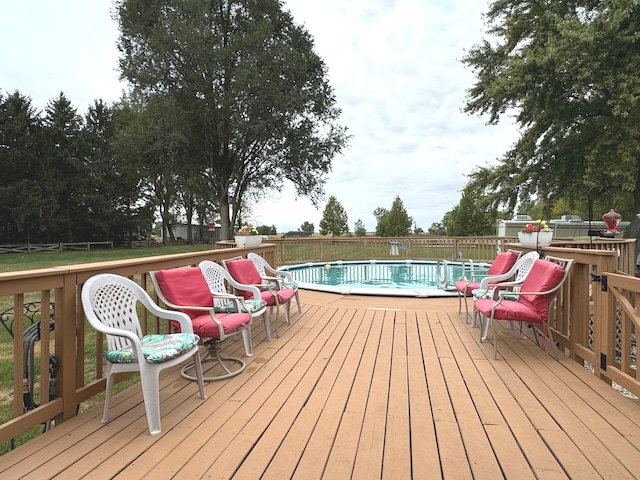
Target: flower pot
[248,240]
[535,239]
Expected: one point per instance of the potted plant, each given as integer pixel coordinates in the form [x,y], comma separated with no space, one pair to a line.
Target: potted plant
[536,234]
[248,237]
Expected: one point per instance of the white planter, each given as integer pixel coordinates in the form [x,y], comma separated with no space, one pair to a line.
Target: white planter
[248,240]
[535,239]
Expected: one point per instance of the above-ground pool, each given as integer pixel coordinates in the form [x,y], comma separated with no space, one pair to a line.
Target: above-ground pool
[411,278]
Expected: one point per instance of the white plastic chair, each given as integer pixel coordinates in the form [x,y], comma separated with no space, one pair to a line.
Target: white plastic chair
[268,273]
[217,277]
[244,271]
[110,303]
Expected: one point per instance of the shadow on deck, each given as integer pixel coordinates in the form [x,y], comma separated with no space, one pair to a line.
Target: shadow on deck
[363,388]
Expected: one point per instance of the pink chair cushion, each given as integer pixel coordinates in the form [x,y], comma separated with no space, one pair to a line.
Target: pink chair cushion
[502,263]
[464,287]
[205,327]
[508,310]
[244,271]
[268,298]
[187,286]
[544,275]
[285,295]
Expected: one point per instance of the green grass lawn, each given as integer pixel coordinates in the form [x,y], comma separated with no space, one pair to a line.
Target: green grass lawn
[13,262]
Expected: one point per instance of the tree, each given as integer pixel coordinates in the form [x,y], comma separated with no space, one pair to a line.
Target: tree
[437,228]
[22,202]
[466,219]
[395,222]
[569,72]
[359,229]
[307,227]
[334,218]
[256,101]
[380,215]
[65,157]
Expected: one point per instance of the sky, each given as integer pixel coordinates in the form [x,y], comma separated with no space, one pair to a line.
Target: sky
[394,66]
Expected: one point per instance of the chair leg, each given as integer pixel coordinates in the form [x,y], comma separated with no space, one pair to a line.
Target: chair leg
[109,389]
[149,378]
[298,303]
[466,310]
[267,327]
[197,363]
[286,312]
[246,338]
[277,305]
[554,347]
[484,327]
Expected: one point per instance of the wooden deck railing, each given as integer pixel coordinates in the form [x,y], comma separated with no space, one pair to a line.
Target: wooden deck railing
[590,324]
[326,249]
[79,376]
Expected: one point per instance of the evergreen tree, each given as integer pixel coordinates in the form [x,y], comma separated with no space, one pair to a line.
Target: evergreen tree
[65,164]
[395,222]
[22,200]
[359,229]
[334,218]
[307,227]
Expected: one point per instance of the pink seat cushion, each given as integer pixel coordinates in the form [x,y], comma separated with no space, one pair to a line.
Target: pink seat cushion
[205,327]
[544,275]
[464,287]
[285,295]
[244,271]
[187,286]
[503,263]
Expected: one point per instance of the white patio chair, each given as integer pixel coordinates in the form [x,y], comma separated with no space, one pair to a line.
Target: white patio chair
[110,303]
[217,277]
[268,273]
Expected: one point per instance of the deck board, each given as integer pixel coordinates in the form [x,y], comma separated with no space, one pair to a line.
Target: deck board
[360,387]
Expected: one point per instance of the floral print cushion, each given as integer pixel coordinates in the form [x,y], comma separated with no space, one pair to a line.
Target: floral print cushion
[477,293]
[156,348]
[230,307]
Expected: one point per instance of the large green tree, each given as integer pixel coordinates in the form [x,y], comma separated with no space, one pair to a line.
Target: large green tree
[66,164]
[334,218]
[22,181]
[257,105]
[394,222]
[569,72]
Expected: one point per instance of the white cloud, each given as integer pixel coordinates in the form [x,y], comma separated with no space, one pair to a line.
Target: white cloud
[394,65]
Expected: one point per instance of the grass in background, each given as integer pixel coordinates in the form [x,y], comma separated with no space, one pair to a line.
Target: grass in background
[13,262]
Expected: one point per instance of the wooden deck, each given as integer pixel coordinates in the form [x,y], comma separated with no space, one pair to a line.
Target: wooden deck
[362,388]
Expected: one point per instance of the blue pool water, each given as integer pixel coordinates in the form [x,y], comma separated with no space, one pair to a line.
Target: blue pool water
[380,277]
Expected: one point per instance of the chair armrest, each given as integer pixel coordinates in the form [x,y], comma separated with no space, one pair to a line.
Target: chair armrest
[245,286]
[180,317]
[273,280]
[278,273]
